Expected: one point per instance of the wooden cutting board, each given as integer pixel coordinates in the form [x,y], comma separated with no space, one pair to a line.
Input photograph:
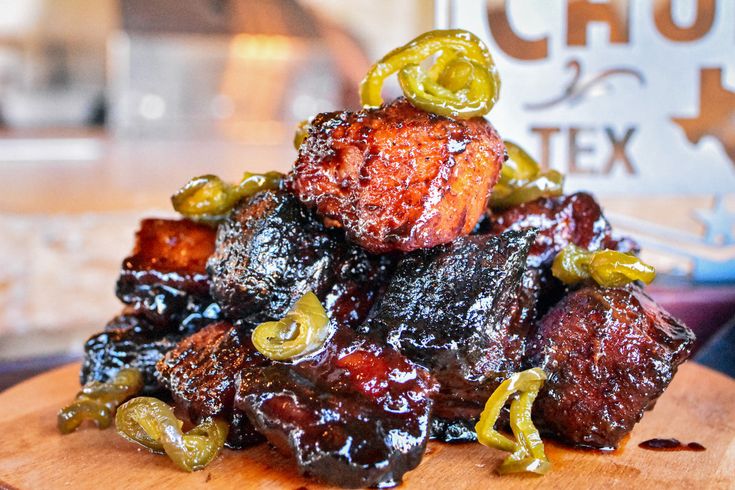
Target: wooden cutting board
[699,406]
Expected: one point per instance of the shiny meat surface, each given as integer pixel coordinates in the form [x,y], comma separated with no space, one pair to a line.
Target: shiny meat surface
[171,253]
[609,354]
[356,414]
[572,219]
[445,307]
[361,280]
[396,177]
[201,374]
[451,309]
[166,289]
[272,250]
[128,341]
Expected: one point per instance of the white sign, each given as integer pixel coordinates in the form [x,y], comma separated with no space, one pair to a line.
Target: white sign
[624,97]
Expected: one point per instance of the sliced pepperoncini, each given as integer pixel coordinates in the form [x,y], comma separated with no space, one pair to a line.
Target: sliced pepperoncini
[608,268]
[521,180]
[302,131]
[527,451]
[98,401]
[303,330]
[462,83]
[152,424]
[209,198]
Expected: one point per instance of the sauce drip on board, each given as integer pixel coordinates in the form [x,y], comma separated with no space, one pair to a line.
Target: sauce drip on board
[670,445]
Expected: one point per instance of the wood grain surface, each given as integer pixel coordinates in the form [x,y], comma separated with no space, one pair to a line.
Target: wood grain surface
[699,406]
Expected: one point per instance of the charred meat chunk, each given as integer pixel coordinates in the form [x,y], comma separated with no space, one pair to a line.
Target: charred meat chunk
[609,354]
[355,414]
[128,341]
[269,253]
[449,309]
[171,253]
[361,280]
[272,250]
[445,307]
[456,430]
[572,219]
[201,373]
[396,177]
[165,278]
[166,289]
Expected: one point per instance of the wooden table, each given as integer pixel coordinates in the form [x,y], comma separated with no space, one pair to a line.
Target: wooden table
[699,406]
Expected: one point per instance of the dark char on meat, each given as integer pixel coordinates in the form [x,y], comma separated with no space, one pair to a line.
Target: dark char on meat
[355,414]
[449,308]
[272,250]
[127,341]
[169,257]
[201,373]
[166,291]
[609,353]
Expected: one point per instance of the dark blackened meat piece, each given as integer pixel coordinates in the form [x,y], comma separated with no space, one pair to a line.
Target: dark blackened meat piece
[573,219]
[609,354]
[272,250]
[201,373]
[269,253]
[450,309]
[170,253]
[355,414]
[455,430]
[361,280]
[166,289]
[445,307]
[397,177]
[165,277]
[128,341]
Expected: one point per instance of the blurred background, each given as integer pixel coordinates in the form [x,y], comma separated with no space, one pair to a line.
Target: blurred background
[108,106]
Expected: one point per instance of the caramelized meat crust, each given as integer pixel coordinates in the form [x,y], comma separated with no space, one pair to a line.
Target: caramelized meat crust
[396,177]
[171,253]
[201,373]
[449,309]
[272,250]
[609,354]
[355,414]
[128,341]
[445,307]
[572,219]
[166,289]
[361,280]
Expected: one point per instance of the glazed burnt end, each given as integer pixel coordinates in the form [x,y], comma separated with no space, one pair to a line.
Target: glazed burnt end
[560,221]
[272,250]
[355,414]
[201,373]
[609,354]
[165,279]
[397,178]
[574,219]
[128,341]
[166,291]
[446,307]
[454,310]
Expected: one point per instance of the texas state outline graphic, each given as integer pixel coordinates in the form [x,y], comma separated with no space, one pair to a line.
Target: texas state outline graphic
[716,116]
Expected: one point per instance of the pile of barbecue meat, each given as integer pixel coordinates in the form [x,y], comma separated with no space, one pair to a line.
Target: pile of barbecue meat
[433,300]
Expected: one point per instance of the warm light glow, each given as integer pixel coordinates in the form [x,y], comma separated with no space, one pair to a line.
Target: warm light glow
[261,47]
[255,82]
